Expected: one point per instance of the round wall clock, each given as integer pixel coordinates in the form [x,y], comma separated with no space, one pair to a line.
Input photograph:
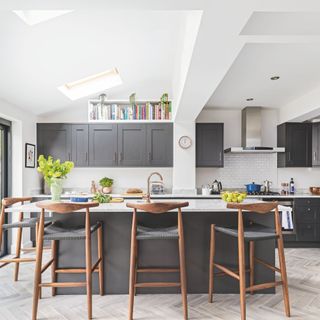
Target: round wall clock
[185,142]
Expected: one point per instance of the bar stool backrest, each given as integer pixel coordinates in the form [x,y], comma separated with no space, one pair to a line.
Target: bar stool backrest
[6,202]
[263,207]
[157,207]
[65,207]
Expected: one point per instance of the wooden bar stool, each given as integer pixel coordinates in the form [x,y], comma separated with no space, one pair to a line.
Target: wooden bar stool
[20,224]
[56,232]
[145,233]
[251,234]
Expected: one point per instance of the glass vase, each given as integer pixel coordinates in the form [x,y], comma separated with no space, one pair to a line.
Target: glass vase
[56,189]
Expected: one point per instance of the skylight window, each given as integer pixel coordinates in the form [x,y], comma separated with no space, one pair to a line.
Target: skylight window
[92,84]
[32,17]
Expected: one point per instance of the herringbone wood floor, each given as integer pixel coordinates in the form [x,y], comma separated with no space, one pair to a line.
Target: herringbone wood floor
[304,281]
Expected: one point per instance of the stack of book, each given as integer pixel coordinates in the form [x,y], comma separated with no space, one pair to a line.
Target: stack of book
[136,111]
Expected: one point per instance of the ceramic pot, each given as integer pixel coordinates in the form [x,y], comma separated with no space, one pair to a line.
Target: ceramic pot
[56,189]
[107,189]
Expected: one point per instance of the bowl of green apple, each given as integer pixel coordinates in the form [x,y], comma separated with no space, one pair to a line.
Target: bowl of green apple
[233,196]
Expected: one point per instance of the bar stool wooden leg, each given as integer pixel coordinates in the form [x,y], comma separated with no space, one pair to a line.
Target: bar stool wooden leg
[37,233]
[100,256]
[242,266]
[37,272]
[183,275]
[136,267]
[54,266]
[211,263]
[132,265]
[251,265]
[88,265]
[18,252]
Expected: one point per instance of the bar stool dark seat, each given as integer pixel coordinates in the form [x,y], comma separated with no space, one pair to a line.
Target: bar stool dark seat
[20,224]
[251,234]
[140,233]
[56,232]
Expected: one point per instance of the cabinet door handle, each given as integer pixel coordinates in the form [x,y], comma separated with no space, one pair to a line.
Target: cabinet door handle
[115,157]
[220,156]
[314,156]
[86,157]
[121,156]
[149,156]
[289,156]
[69,156]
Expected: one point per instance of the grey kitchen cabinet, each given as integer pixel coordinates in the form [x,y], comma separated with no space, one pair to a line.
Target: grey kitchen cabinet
[80,145]
[160,145]
[132,145]
[296,138]
[103,150]
[54,139]
[316,144]
[307,219]
[209,144]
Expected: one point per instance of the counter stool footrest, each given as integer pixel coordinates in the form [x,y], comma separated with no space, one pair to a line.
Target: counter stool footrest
[46,266]
[267,265]
[33,249]
[221,274]
[158,270]
[262,286]
[157,284]
[63,284]
[227,271]
[77,270]
[95,266]
[17,260]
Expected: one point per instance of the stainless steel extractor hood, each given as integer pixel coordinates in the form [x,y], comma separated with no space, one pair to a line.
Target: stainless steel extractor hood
[251,134]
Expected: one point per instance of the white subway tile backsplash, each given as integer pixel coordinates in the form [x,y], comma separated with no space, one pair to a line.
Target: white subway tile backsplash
[240,169]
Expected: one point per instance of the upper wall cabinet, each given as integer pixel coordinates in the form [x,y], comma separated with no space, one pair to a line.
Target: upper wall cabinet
[108,145]
[55,139]
[296,138]
[316,144]
[103,148]
[80,145]
[132,145]
[160,145]
[209,144]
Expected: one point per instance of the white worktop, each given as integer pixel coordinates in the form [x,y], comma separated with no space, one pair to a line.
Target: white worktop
[214,205]
[186,196]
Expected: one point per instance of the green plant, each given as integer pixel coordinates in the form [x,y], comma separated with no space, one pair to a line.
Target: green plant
[101,198]
[53,168]
[106,182]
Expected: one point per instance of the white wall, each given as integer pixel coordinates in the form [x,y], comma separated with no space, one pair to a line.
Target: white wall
[24,180]
[245,168]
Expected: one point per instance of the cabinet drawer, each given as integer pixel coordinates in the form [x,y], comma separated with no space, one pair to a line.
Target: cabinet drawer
[305,214]
[307,232]
[307,202]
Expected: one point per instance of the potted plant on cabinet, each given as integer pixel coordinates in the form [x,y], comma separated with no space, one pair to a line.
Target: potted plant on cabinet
[106,184]
[54,172]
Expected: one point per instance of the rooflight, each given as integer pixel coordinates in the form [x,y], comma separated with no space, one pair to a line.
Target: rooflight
[32,17]
[92,84]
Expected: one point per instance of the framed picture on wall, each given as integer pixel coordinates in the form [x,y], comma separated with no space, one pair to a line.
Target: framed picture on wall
[30,155]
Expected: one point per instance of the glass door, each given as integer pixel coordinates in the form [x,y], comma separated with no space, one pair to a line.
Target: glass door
[4,148]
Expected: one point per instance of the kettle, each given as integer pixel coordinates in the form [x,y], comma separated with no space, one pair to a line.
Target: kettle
[216,187]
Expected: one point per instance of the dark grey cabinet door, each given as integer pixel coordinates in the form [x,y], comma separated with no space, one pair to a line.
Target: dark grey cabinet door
[160,145]
[102,145]
[80,145]
[209,144]
[297,140]
[54,139]
[315,144]
[132,145]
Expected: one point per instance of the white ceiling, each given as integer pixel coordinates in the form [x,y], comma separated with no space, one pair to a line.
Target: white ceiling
[35,60]
[298,66]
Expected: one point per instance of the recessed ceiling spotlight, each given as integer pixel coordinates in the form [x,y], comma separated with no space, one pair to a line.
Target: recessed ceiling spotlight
[250,99]
[275,78]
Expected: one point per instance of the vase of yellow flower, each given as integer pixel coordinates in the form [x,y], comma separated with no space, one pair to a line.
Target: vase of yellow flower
[54,173]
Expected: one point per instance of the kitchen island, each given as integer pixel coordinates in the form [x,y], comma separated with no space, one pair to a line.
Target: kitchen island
[197,219]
